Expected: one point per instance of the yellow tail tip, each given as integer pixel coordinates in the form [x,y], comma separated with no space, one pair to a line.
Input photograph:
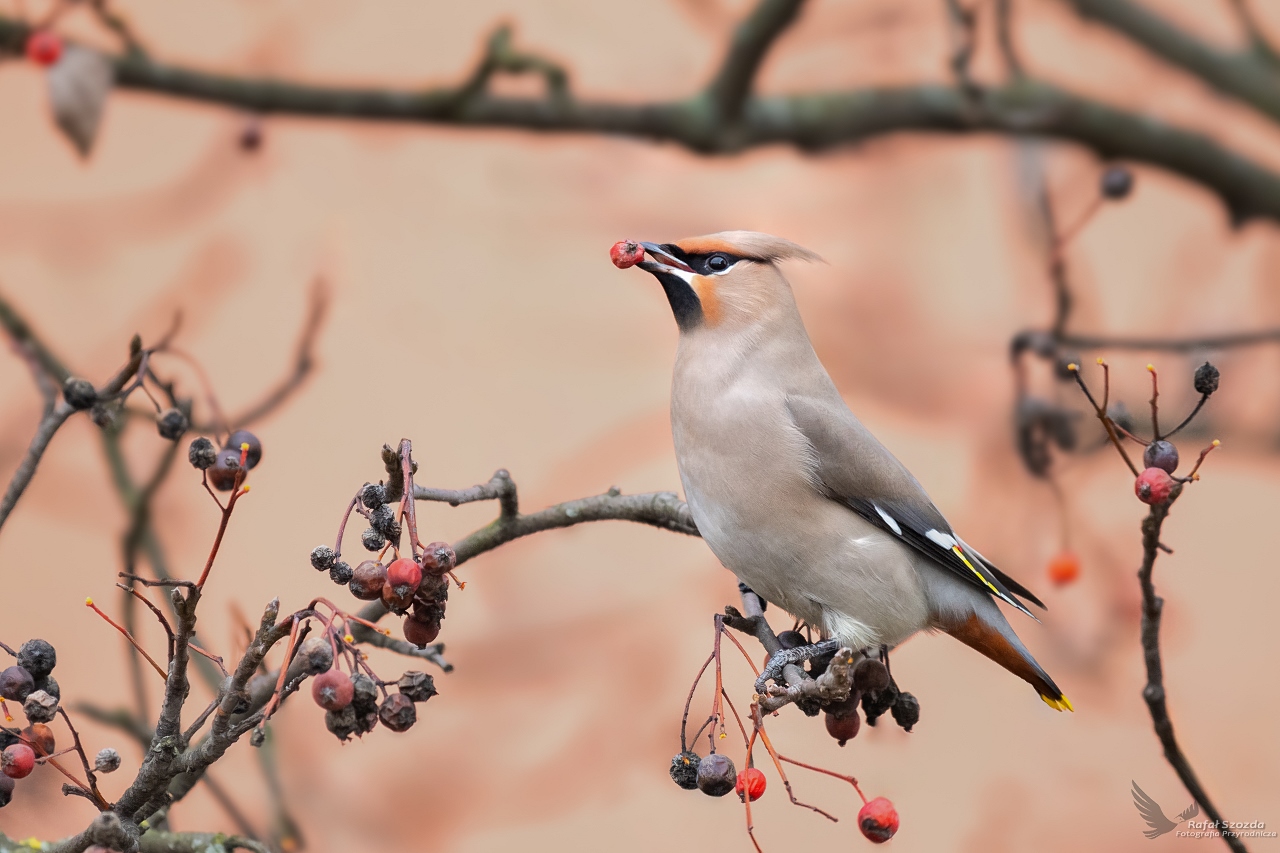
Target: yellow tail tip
[1062,703]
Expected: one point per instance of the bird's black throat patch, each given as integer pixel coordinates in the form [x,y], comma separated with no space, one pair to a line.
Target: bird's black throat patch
[685,304]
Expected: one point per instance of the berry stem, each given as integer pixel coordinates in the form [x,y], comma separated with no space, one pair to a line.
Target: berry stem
[160,672]
[1155,408]
[1107,423]
[758,723]
[684,721]
[1204,398]
[236,491]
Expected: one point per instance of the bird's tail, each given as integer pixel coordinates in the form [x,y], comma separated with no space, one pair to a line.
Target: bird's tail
[986,630]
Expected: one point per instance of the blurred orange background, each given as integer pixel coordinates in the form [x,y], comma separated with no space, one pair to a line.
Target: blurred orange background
[475,312]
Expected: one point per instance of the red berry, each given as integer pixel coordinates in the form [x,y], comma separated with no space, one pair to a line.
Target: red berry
[17,761]
[878,820]
[1064,568]
[752,781]
[626,253]
[1153,486]
[404,574]
[420,633]
[44,47]
[332,690]
[843,728]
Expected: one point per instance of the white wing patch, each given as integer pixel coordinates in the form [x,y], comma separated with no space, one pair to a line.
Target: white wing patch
[889,520]
[943,540]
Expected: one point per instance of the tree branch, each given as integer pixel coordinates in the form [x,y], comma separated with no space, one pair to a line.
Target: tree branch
[752,39]
[811,121]
[1246,75]
[1153,693]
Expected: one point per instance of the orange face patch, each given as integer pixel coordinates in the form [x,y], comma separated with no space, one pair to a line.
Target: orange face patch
[705,287]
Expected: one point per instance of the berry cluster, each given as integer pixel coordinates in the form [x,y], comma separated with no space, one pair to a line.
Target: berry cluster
[30,683]
[414,584]
[356,700]
[1156,483]
[225,468]
[867,683]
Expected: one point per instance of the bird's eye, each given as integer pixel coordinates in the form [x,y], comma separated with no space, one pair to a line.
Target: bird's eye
[718,263]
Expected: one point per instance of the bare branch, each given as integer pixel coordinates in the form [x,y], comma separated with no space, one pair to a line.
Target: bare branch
[1153,693]
[1245,75]
[752,39]
[811,121]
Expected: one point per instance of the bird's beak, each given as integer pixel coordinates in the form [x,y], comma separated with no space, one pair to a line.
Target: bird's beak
[662,261]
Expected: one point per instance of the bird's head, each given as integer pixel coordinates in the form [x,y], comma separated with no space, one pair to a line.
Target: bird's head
[724,280]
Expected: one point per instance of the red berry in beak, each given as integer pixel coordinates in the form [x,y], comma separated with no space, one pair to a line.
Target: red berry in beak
[1153,486]
[878,820]
[44,47]
[751,781]
[626,253]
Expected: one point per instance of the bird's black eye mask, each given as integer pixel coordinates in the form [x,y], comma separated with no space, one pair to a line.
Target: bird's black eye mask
[705,263]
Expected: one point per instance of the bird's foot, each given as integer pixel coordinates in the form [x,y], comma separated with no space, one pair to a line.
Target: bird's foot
[784,657]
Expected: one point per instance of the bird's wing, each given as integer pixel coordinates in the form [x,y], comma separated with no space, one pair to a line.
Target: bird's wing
[1151,813]
[1189,812]
[851,466]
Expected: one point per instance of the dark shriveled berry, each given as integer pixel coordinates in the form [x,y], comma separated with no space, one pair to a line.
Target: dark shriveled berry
[16,684]
[243,436]
[366,693]
[876,705]
[906,710]
[1206,379]
[373,495]
[397,712]
[222,474]
[383,519]
[40,707]
[79,393]
[1117,182]
[171,423]
[684,769]
[341,723]
[202,454]
[1161,454]
[341,573]
[792,639]
[418,686]
[7,785]
[37,657]
[372,540]
[49,685]
[870,675]
[322,558]
[716,775]
[370,576]
[107,760]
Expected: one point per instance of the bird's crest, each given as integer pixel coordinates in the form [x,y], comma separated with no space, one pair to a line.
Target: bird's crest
[748,244]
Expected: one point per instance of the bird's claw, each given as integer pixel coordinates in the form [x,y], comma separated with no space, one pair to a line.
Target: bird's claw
[785,657]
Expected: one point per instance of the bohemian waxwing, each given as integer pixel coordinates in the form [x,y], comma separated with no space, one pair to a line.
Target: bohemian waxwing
[790,491]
